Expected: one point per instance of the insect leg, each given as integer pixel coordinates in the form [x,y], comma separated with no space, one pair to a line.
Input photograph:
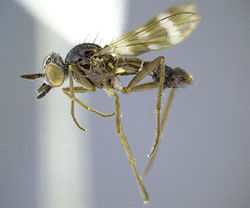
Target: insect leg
[84,90]
[77,89]
[142,87]
[137,78]
[72,92]
[166,109]
[163,121]
[79,77]
[126,147]
[145,71]
[89,88]
[149,86]
[158,107]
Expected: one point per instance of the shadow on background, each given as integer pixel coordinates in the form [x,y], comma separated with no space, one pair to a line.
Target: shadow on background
[18,146]
[203,159]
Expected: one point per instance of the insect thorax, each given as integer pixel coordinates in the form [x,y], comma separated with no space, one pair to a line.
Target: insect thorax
[96,68]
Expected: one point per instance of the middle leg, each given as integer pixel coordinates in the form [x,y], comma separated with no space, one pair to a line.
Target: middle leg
[126,147]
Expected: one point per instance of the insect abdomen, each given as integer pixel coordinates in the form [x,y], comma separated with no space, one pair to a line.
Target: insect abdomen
[174,77]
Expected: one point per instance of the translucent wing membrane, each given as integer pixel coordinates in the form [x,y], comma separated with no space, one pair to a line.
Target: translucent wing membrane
[163,31]
[184,7]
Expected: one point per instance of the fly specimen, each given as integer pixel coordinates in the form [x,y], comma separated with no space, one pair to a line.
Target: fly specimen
[95,67]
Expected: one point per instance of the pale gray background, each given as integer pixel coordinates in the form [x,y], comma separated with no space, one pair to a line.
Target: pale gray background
[204,158]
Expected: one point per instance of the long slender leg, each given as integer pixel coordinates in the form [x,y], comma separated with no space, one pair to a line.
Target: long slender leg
[163,121]
[144,86]
[72,92]
[149,86]
[145,71]
[158,108]
[78,90]
[73,116]
[132,87]
[126,147]
[89,88]
[166,109]
[74,99]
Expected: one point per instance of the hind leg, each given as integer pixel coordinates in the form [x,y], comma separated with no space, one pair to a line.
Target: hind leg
[132,87]
[163,121]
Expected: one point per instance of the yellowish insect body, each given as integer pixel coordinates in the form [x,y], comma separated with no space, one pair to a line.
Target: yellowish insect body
[92,66]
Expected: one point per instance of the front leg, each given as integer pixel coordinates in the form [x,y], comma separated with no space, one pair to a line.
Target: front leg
[84,90]
[70,92]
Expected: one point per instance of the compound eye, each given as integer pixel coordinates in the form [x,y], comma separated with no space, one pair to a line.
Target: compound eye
[54,75]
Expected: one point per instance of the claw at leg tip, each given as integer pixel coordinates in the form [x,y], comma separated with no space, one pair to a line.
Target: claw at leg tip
[150,154]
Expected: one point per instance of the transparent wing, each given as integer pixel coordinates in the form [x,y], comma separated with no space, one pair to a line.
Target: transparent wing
[184,7]
[163,31]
